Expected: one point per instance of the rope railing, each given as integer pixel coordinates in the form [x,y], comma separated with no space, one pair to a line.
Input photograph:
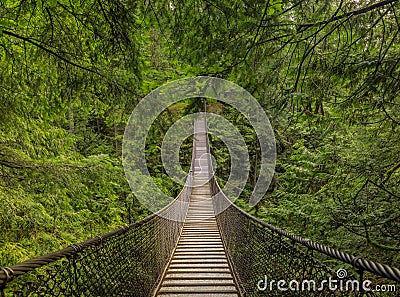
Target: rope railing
[125,262]
[258,250]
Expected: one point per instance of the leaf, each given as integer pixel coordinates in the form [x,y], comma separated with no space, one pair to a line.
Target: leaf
[51,3]
[271,11]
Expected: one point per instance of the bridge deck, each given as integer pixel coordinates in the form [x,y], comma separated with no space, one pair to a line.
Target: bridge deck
[199,266]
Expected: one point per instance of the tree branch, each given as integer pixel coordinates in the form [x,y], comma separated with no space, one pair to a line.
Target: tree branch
[29,40]
[303,27]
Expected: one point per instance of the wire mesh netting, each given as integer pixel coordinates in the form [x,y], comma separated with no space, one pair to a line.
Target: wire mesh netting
[268,261]
[126,262]
[262,256]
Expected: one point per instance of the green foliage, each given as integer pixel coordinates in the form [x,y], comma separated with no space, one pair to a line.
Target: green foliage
[69,76]
[59,202]
[326,72]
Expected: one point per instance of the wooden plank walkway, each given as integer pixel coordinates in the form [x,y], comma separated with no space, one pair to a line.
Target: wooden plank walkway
[199,266]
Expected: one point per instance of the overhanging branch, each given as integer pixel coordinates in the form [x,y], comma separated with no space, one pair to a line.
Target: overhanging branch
[53,53]
[303,27]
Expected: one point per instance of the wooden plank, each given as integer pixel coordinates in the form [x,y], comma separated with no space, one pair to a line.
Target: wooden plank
[199,266]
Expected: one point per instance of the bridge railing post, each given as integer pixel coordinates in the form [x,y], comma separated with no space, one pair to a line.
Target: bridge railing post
[189,183]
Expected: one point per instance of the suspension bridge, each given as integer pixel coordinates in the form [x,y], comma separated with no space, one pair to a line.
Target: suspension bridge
[201,245]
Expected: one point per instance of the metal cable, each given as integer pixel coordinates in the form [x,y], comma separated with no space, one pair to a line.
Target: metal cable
[125,262]
[257,249]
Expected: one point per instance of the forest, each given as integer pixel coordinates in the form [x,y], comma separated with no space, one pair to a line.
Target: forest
[326,72]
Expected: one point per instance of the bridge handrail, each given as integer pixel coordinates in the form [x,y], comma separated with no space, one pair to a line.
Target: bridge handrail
[358,263]
[8,273]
